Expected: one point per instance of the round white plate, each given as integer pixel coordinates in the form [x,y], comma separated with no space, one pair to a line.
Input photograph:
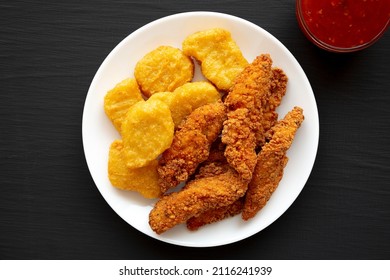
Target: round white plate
[98,132]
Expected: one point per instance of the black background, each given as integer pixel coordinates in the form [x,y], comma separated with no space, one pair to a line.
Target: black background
[49,205]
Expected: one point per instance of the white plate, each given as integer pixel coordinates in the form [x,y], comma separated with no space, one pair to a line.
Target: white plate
[98,132]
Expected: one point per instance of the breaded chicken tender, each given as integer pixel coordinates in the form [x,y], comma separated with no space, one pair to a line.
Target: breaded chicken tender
[196,197]
[191,144]
[163,69]
[278,89]
[270,163]
[245,104]
[215,215]
[147,131]
[143,180]
[270,116]
[220,57]
[215,165]
[119,99]
[186,98]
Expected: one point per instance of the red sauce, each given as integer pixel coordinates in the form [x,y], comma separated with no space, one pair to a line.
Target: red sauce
[345,23]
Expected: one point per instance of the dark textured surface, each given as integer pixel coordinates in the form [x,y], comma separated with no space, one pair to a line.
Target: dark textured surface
[49,205]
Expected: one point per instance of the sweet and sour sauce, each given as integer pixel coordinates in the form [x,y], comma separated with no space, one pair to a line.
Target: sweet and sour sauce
[343,25]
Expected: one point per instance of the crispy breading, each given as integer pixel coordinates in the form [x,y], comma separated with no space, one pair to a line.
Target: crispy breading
[163,69]
[186,98]
[215,215]
[191,144]
[143,180]
[216,164]
[118,100]
[244,103]
[220,57]
[147,131]
[196,197]
[216,156]
[270,163]
[270,116]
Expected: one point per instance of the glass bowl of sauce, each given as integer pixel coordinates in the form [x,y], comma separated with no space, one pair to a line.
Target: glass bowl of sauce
[343,25]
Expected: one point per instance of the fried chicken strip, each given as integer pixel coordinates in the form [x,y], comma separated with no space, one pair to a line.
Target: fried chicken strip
[270,163]
[191,144]
[244,103]
[216,215]
[198,196]
[216,164]
[278,90]
[270,116]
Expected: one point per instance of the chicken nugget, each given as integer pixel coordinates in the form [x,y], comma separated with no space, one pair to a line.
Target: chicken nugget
[164,96]
[147,131]
[163,69]
[186,98]
[220,57]
[143,180]
[119,99]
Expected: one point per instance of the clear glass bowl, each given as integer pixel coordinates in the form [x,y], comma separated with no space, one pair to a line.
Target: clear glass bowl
[343,26]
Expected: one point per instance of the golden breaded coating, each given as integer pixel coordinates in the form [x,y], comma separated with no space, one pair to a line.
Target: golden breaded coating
[147,131]
[216,156]
[119,99]
[196,197]
[186,98]
[270,116]
[143,180]
[215,215]
[220,57]
[191,144]
[270,163]
[163,69]
[244,103]
[164,96]
[216,164]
